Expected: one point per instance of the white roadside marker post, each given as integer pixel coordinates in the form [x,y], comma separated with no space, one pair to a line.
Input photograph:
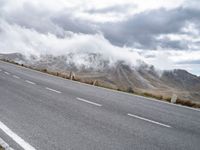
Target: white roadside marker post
[94,82]
[174,98]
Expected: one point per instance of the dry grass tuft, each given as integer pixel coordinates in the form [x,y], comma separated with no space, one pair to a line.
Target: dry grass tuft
[159,97]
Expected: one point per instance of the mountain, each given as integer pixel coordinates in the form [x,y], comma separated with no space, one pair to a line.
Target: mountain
[118,74]
[13,57]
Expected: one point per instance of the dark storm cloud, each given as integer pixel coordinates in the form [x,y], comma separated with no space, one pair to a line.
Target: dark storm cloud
[113,9]
[192,62]
[67,22]
[176,44]
[143,28]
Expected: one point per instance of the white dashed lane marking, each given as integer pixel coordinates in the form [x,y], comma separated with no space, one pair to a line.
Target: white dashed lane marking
[148,120]
[53,90]
[89,102]
[16,77]
[30,82]
[7,73]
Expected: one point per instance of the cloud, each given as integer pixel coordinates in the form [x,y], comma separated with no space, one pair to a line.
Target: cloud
[173,59]
[117,22]
[113,9]
[67,22]
[188,62]
[14,38]
[142,30]
[151,30]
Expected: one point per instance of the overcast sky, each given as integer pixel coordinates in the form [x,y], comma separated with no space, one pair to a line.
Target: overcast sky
[165,33]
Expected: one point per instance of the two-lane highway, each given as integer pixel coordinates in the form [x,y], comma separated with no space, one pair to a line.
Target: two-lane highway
[40,111]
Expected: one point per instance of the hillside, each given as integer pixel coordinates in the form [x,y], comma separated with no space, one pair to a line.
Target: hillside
[119,75]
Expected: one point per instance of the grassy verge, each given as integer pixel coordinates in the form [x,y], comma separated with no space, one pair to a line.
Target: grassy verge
[188,103]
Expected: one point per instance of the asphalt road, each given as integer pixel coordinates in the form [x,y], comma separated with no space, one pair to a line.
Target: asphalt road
[43,112]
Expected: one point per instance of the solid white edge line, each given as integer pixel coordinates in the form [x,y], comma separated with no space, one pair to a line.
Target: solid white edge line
[148,120]
[15,137]
[29,82]
[53,90]
[5,145]
[7,73]
[84,100]
[14,76]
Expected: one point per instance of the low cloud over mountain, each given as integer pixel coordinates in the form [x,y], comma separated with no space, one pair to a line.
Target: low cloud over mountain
[164,34]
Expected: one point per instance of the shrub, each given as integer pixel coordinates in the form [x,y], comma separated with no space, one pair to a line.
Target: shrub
[168,99]
[130,90]
[44,70]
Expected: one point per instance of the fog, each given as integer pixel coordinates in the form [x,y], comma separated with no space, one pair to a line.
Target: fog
[14,38]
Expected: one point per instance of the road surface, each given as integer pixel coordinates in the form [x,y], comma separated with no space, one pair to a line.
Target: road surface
[43,112]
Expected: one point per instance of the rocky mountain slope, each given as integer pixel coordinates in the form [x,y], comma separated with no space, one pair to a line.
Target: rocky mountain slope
[119,74]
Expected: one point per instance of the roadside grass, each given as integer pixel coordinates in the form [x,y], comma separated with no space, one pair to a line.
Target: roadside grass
[188,103]
[160,97]
[130,90]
